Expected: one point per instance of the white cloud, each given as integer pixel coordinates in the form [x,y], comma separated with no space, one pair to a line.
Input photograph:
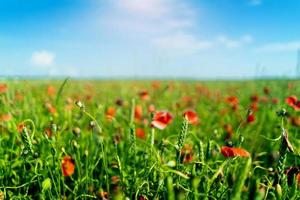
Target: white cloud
[279,47]
[181,41]
[185,41]
[231,43]
[165,24]
[148,16]
[42,58]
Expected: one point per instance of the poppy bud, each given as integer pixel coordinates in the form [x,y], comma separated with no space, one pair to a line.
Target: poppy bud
[79,104]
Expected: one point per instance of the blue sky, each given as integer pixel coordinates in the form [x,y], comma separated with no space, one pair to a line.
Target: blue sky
[149,38]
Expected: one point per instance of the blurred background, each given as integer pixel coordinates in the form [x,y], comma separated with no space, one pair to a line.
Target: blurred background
[145,39]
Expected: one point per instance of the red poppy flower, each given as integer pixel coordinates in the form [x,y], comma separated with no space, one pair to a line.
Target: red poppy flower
[20,127]
[48,132]
[140,133]
[275,100]
[51,91]
[6,117]
[161,119]
[191,116]
[293,102]
[250,118]
[67,166]
[110,113]
[186,153]
[51,109]
[155,84]
[254,98]
[3,88]
[254,106]
[232,100]
[138,112]
[233,152]
[144,95]
[298,179]
[151,108]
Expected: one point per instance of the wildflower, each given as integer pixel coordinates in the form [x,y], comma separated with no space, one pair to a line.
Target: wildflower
[6,117]
[161,119]
[233,152]
[151,108]
[51,109]
[232,100]
[48,132]
[67,166]
[51,91]
[110,113]
[140,133]
[293,102]
[20,127]
[144,95]
[250,118]
[254,98]
[138,112]
[186,153]
[3,88]
[191,116]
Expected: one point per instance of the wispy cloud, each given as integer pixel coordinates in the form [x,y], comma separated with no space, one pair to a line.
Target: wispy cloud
[181,41]
[185,41]
[234,43]
[148,16]
[42,58]
[165,24]
[278,47]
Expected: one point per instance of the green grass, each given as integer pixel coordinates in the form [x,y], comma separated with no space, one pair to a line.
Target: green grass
[112,162]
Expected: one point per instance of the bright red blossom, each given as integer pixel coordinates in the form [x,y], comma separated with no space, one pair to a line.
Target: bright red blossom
[161,119]
[233,152]
[138,112]
[250,118]
[191,116]
[140,133]
[293,102]
[67,166]
[110,113]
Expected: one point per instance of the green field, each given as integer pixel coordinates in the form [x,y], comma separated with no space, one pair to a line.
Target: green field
[94,140]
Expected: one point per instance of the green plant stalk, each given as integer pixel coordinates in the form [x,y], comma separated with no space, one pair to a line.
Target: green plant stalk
[237,189]
[181,138]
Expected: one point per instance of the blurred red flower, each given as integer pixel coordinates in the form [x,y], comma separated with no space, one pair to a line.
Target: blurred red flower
[293,102]
[191,116]
[144,95]
[161,119]
[51,91]
[250,118]
[3,88]
[67,166]
[232,100]
[138,112]
[233,152]
[140,133]
[110,113]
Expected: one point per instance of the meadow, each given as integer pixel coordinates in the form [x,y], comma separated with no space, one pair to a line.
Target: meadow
[149,139]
